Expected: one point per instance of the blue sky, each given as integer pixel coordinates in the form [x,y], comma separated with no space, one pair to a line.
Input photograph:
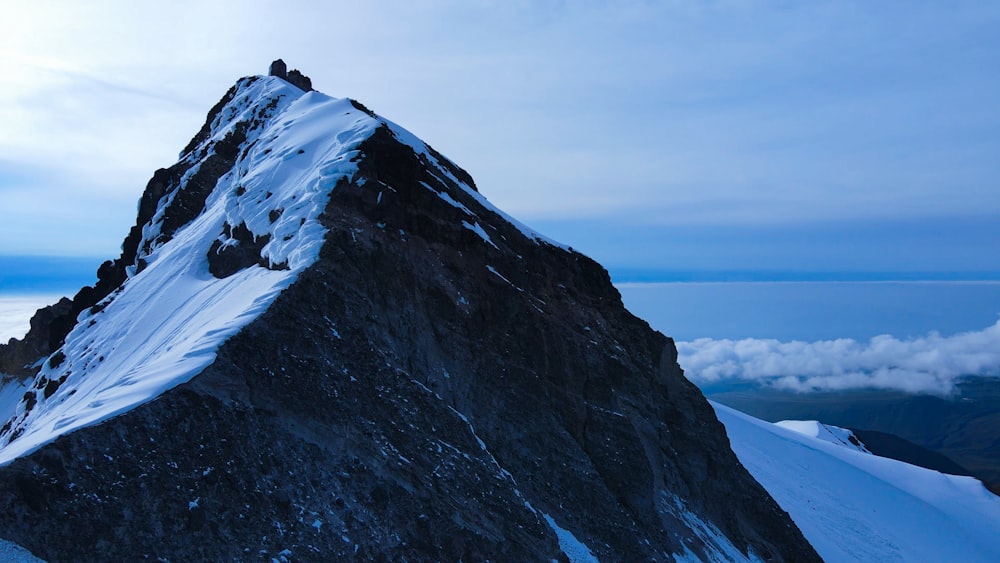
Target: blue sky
[816,136]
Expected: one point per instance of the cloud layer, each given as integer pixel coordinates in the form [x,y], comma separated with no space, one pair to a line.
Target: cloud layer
[16,312]
[929,364]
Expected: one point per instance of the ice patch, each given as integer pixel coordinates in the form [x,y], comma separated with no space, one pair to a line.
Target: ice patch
[499,275]
[716,545]
[474,227]
[448,199]
[574,549]
[10,552]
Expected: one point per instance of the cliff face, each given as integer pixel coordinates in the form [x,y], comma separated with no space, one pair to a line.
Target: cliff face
[437,383]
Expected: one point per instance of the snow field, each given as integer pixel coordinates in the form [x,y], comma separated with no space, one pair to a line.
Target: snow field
[854,506]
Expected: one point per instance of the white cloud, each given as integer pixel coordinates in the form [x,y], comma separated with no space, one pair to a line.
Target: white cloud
[929,364]
[16,312]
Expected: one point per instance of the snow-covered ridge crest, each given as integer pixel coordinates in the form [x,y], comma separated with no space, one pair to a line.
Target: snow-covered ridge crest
[825,432]
[853,506]
[165,323]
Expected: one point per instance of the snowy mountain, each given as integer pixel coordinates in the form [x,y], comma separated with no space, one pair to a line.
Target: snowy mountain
[855,506]
[165,322]
[320,342]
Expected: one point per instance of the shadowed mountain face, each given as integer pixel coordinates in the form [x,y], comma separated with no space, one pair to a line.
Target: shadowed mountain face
[439,384]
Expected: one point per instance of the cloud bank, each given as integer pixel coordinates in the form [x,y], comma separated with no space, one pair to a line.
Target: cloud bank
[929,364]
[16,312]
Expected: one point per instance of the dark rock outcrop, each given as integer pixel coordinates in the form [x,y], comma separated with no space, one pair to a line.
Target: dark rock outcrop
[242,250]
[294,77]
[299,80]
[278,68]
[48,325]
[419,393]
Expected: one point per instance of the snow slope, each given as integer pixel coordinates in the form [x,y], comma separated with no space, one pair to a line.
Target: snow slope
[12,553]
[165,323]
[854,506]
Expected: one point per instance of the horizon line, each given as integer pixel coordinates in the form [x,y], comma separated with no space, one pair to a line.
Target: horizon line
[626,277]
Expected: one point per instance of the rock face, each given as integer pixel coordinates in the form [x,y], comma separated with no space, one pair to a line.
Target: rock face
[278,68]
[441,384]
[47,328]
[294,77]
[299,80]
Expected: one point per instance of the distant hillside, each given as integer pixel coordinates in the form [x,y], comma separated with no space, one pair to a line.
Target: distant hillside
[965,428]
[889,445]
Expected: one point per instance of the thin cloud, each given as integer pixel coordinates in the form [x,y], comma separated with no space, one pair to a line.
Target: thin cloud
[76,75]
[929,364]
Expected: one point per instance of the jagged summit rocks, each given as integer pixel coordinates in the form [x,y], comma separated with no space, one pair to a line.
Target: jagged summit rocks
[278,68]
[295,77]
[388,368]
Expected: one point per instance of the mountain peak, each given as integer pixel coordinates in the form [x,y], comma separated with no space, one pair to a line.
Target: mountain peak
[321,339]
[294,76]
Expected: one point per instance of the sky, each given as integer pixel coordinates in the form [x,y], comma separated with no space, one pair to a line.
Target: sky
[653,136]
